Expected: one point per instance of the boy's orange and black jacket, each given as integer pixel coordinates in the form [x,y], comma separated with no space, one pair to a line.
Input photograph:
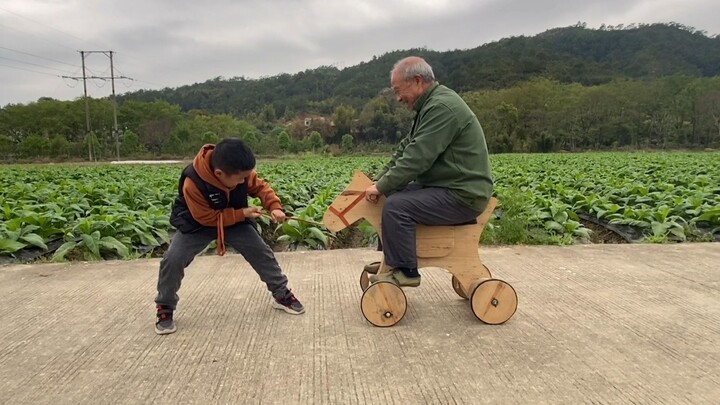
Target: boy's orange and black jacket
[203,201]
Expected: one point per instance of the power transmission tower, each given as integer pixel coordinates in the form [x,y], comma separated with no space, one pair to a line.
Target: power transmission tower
[112,78]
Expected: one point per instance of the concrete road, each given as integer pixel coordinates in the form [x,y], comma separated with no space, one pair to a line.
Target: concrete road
[601,324]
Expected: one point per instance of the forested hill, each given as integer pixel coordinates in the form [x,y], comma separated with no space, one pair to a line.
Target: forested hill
[569,54]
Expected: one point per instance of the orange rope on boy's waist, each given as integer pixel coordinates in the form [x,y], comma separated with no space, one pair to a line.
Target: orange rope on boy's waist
[221,236]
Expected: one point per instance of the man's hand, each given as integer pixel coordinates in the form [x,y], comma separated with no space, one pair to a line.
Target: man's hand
[278,216]
[252,212]
[372,194]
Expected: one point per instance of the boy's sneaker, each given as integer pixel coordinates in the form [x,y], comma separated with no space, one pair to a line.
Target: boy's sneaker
[288,303]
[164,324]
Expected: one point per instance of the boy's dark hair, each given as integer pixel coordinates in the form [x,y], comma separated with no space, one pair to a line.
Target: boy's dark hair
[232,156]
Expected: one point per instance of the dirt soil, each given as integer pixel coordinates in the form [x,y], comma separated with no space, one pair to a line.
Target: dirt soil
[602,235]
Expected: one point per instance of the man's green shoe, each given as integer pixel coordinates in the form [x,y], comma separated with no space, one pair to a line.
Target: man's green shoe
[373,267]
[397,277]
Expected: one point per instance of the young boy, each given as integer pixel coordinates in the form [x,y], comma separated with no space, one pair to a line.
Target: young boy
[212,205]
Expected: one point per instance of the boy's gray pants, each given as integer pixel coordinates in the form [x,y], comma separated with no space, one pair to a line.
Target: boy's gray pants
[403,210]
[243,237]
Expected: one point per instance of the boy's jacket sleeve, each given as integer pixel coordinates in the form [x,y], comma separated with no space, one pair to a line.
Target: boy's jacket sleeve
[258,187]
[199,207]
[203,214]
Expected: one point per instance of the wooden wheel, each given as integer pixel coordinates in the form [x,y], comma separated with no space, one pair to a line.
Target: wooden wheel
[383,304]
[458,288]
[493,301]
[364,280]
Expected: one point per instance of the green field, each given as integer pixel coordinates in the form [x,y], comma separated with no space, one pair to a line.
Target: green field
[86,212]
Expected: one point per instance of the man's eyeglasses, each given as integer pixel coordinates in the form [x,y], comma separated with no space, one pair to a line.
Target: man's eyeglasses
[398,90]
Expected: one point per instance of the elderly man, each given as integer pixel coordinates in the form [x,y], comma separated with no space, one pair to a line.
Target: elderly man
[439,174]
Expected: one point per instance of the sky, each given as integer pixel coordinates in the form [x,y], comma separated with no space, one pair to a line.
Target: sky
[171,43]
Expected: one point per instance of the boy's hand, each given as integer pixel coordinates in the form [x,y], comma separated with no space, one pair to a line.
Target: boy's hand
[278,216]
[252,212]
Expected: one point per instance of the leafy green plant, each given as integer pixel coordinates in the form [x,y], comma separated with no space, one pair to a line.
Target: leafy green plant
[16,235]
[300,233]
[92,245]
[666,197]
[370,235]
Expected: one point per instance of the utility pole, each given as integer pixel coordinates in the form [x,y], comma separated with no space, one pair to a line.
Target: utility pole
[87,108]
[115,128]
[87,105]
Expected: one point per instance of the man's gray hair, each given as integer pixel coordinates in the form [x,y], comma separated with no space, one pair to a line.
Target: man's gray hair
[414,66]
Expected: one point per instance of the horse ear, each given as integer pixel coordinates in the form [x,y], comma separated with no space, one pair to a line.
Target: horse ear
[360,175]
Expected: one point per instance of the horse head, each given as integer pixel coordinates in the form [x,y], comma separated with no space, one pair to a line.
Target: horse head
[350,205]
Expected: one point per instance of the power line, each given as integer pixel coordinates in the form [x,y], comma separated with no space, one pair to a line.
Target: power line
[26,34]
[143,81]
[92,72]
[103,78]
[38,56]
[35,64]
[43,24]
[67,84]
[107,69]
[139,81]
[100,86]
[133,60]
[138,62]
[29,70]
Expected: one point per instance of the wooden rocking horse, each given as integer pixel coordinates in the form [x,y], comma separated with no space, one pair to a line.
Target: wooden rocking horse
[453,248]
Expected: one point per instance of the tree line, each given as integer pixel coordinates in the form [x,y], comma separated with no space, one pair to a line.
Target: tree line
[540,115]
[572,88]
[574,54]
